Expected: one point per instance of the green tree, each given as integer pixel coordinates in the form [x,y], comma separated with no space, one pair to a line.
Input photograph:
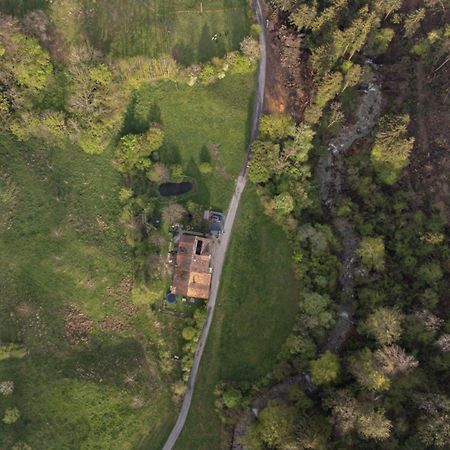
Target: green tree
[384,324]
[232,398]
[390,152]
[302,346]
[380,40]
[101,75]
[303,16]
[352,76]
[350,40]
[434,424]
[371,252]
[328,17]
[387,7]
[429,273]
[302,144]
[283,5]
[152,140]
[31,65]
[283,203]
[274,426]
[328,88]
[314,310]
[205,168]
[275,127]
[326,369]
[373,424]
[131,155]
[262,163]
[189,333]
[11,416]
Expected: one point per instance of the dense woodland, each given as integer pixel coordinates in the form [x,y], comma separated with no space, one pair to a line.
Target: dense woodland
[387,386]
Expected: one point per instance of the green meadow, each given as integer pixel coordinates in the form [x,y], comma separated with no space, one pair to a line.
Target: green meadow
[91,378]
[190,30]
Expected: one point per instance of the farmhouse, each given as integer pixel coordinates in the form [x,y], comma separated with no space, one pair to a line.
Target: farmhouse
[192,275]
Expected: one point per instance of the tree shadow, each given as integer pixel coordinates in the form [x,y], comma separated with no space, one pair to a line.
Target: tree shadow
[169,154]
[136,123]
[206,46]
[204,156]
[249,120]
[203,195]
[183,54]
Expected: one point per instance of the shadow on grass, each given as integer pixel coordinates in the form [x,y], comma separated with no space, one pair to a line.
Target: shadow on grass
[203,196]
[134,122]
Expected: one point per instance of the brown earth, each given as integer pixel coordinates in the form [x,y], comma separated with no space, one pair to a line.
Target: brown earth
[288,80]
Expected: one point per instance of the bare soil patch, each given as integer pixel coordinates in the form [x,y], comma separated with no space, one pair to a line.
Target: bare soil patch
[288,79]
[77,325]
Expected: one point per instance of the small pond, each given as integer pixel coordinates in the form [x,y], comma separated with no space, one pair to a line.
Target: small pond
[171,189]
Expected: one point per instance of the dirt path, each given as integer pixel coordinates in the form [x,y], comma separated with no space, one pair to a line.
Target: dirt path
[221,248]
[330,172]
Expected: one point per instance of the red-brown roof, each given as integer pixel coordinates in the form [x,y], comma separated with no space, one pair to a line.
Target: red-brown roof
[192,277]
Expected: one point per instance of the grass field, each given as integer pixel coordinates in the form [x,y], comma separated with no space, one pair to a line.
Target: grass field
[182,28]
[254,315]
[61,247]
[196,117]
[93,377]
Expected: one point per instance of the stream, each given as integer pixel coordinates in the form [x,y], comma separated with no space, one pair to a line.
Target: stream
[331,176]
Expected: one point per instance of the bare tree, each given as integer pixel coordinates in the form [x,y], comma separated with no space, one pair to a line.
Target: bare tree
[393,360]
[173,213]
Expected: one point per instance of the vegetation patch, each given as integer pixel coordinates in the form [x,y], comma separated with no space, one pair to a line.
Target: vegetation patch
[254,314]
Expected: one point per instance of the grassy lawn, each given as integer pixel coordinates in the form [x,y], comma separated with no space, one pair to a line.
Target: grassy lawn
[195,117]
[60,248]
[255,312]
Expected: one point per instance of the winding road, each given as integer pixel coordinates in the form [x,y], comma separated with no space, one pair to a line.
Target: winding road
[221,247]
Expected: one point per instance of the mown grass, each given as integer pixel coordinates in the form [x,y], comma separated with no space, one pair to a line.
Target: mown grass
[193,118]
[254,315]
[62,246]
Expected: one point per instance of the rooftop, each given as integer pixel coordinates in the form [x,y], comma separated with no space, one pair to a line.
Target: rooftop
[192,277]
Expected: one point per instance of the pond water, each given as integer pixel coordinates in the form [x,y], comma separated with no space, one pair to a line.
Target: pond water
[172,189]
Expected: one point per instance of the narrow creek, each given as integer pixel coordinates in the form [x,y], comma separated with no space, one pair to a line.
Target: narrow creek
[331,176]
